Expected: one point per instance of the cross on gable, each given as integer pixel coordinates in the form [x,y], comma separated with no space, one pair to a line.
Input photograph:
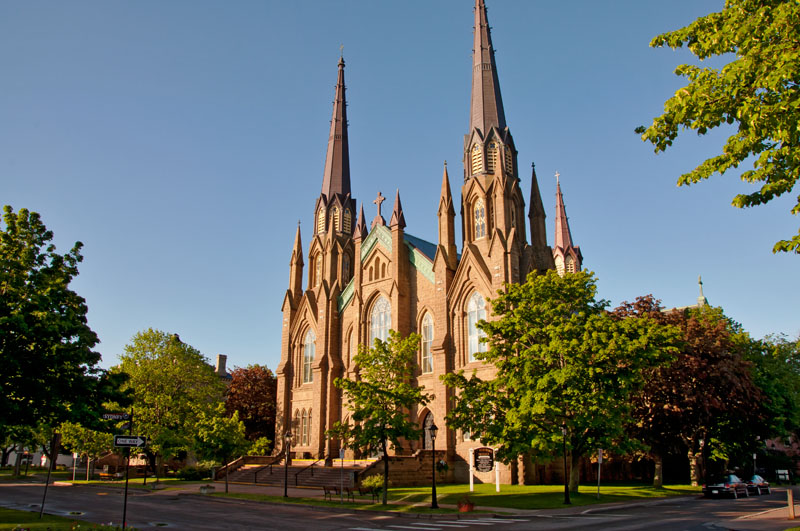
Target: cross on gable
[378,200]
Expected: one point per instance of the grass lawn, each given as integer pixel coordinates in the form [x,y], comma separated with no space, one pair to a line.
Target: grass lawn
[535,496]
[12,519]
[416,499]
[404,508]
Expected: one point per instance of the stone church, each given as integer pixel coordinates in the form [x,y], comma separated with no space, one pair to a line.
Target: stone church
[365,277]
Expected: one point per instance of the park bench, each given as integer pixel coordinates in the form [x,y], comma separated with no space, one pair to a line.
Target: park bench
[329,491]
[363,491]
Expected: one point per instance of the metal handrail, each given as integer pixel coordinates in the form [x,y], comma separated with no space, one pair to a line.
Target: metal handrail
[306,468]
[255,474]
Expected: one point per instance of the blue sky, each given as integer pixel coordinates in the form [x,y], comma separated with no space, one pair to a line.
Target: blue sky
[182,141]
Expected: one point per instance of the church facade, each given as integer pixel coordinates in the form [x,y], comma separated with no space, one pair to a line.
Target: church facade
[360,278]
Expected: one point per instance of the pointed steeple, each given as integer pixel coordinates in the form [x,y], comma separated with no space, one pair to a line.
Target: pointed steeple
[566,255]
[701,300]
[296,267]
[486,110]
[297,250]
[361,227]
[536,214]
[447,215]
[336,179]
[398,220]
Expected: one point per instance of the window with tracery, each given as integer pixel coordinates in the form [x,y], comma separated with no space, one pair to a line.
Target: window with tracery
[480,219]
[380,320]
[476,311]
[427,343]
[309,347]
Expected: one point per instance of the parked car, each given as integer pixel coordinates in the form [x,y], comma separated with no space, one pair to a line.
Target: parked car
[727,484]
[758,485]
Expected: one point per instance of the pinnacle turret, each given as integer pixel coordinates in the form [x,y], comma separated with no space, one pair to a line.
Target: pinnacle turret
[398,220]
[567,256]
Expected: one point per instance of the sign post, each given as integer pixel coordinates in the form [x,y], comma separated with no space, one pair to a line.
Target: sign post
[599,464]
[471,469]
[126,441]
[341,474]
[483,460]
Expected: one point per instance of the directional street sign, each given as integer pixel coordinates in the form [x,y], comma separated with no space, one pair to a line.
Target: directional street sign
[117,416]
[130,441]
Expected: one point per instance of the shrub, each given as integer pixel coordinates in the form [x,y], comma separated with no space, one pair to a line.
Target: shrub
[194,473]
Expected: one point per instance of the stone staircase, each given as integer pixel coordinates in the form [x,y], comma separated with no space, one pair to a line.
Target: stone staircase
[301,475]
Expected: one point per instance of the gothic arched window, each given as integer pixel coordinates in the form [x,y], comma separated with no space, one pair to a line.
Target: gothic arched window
[480,219]
[347,221]
[476,159]
[380,319]
[336,219]
[491,157]
[427,343]
[321,221]
[317,270]
[309,348]
[345,268]
[476,311]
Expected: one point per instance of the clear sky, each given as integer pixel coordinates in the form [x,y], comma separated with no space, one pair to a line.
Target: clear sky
[182,141]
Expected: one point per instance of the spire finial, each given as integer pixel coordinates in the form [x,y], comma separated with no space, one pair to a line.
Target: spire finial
[558,182]
[398,219]
[701,300]
[700,282]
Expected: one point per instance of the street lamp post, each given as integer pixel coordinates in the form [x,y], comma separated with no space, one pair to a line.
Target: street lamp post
[432,430]
[287,439]
[566,477]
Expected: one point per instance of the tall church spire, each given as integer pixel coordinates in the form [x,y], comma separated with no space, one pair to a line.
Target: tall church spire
[486,110]
[336,179]
[567,256]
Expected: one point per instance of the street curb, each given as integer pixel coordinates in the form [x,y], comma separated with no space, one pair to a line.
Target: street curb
[417,516]
[604,508]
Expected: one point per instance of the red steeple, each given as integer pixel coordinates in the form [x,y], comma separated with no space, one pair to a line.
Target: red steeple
[567,256]
[336,179]
[486,110]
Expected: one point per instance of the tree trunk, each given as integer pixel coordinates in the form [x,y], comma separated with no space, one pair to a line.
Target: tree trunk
[226,474]
[658,474]
[17,462]
[694,467]
[385,473]
[574,472]
[7,453]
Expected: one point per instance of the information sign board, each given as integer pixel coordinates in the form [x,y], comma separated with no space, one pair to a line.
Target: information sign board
[484,459]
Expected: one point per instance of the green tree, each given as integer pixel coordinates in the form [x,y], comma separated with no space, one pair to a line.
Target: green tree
[705,399]
[563,363]
[757,90]
[172,385]
[381,397]
[50,372]
[220,437]
[252,393]
[776,371]
[84,441]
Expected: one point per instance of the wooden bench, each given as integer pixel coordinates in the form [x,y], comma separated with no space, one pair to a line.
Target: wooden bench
[348,494]
[329,491]
[363,491]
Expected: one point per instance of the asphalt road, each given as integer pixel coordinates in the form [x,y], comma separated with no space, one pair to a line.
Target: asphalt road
[162,509]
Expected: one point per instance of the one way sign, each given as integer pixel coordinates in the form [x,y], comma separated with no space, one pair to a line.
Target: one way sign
[130,441]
